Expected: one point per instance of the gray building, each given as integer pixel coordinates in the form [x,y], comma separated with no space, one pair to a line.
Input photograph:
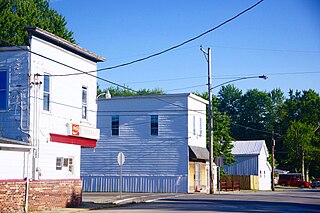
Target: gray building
[163,138]
[251,159]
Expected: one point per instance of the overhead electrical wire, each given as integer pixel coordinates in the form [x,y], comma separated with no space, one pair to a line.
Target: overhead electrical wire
[143,59]
[58,62]
[171,48]
[253,129]
[138,60]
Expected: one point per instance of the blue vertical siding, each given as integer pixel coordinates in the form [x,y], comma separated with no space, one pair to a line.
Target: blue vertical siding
[16,63]
[160,184]
[243,166]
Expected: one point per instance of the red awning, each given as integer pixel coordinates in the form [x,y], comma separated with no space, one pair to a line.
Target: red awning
[84,142]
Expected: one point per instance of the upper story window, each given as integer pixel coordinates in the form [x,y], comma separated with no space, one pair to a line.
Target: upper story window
[46,92]
[200,125]
[194,125]
[3,89]
[84,103]
[154,125]
[115,125]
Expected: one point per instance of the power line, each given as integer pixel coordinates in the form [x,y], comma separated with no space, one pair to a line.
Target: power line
[293,73]
[169,79]
[141,59]
[270,50]
[195,86]
[68,66]
[173,47]
[217,77]
[127,88]
[138,60]
[253,129]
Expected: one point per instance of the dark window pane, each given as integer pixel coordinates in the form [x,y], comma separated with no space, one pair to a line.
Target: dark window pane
[115,125]
[46,84]
[3,100]
[46,92]
[154,125]
[3,80]
[84,102]
[46,101]
[84,112]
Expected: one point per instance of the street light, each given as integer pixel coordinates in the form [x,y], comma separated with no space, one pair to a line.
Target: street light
[106,94]
[210,88]
[241,78]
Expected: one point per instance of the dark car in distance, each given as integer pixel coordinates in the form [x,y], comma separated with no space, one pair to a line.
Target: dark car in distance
[315,183]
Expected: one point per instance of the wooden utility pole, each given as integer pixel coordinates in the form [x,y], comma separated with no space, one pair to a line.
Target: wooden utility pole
[211,172]
[272,171]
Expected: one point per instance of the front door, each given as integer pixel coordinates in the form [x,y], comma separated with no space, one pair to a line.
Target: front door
[197,177]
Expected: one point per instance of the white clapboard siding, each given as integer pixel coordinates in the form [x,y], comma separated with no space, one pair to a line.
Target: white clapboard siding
[26,122]
[251,159]
[152,163]
[12,165]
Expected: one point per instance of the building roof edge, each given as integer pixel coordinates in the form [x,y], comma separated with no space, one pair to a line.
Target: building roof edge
[47,36]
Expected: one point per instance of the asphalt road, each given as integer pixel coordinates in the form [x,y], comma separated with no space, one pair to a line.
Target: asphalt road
[280,201]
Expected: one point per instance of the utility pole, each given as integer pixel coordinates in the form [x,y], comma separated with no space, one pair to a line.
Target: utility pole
[211,172]
[272,171]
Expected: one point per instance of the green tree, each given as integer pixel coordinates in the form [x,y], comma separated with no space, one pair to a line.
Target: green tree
[117,91]
[303,107]
[222,141]
[16,14]
[299,140]
[255,111]
[221,138]
[229,101]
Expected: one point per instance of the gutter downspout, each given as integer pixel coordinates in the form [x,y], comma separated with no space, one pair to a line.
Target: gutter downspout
[26,206]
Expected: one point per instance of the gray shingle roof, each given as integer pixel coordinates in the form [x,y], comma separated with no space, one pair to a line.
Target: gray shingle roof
[253,147]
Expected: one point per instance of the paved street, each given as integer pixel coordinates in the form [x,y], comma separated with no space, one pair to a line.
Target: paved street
[294,200]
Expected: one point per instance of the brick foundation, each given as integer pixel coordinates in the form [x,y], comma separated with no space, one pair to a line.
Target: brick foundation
[43,194]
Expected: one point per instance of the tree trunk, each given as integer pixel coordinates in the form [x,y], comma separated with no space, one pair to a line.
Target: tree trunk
[302,166]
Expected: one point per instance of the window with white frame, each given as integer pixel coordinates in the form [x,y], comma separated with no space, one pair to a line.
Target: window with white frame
[84,103]
[194,125]
[200,125]
[66,164]
[46,92]
[154,125]
[59,163]
[115,125]
[70,166]
[3,89]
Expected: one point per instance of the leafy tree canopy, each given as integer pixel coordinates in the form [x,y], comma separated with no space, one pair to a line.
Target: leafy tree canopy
[222,141]
[117,91]
[16,14]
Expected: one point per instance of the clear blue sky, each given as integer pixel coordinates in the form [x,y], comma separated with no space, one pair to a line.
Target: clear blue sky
[278,38]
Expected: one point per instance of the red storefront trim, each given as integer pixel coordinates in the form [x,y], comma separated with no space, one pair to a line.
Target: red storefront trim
[85,142]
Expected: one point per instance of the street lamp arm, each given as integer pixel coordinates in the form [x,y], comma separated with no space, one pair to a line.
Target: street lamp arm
[238,79]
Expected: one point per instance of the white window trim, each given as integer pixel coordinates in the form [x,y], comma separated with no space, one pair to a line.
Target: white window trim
[49,101]
[86,103]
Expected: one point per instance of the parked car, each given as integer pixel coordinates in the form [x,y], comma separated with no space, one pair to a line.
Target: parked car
[315,183]
[293,179]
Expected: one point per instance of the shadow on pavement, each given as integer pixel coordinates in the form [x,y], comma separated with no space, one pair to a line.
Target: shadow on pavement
[93,205]
[229,206]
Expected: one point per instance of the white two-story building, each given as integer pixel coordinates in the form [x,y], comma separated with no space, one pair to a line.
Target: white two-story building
[46,118]
[163,139]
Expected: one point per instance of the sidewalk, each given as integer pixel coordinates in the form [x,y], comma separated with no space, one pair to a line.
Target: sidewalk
[101,200]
